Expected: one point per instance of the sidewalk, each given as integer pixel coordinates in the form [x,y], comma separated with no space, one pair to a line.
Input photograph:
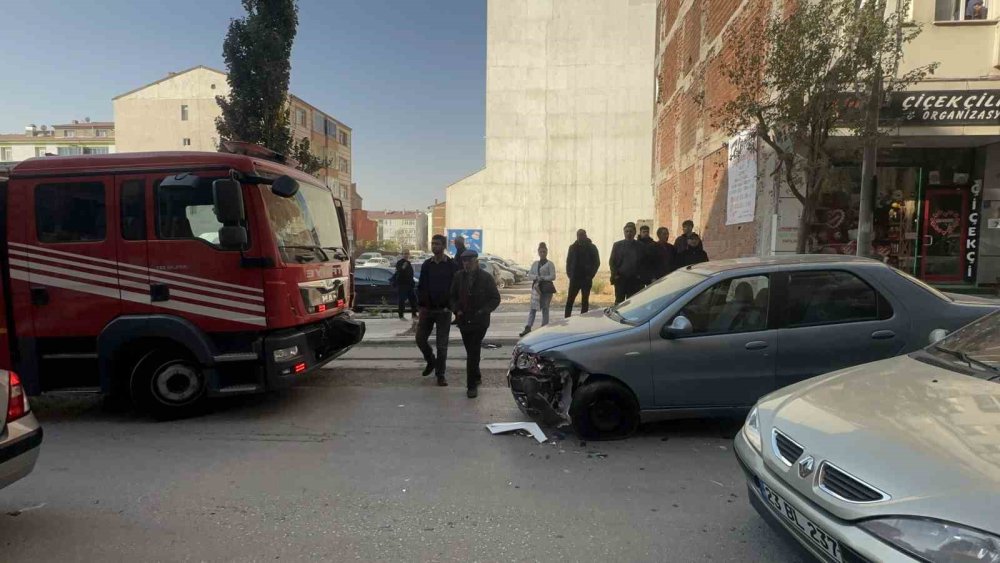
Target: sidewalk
[504,329]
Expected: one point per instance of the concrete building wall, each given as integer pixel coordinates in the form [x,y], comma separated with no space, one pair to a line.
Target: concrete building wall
[149,119]
[569,102]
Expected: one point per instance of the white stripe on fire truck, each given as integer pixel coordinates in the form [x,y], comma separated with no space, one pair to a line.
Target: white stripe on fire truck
[134,267]
[174,293]
[141,276]
[136,297]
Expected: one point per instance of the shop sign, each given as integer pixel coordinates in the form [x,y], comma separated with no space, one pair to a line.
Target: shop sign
[942,107]
[972,235]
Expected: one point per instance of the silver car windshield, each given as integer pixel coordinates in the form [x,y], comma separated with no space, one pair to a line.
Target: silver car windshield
[977,346]
[644,305]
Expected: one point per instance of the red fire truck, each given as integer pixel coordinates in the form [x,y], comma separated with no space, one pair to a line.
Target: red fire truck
[166,278]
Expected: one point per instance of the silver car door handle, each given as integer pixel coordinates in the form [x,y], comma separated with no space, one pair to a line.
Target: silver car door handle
[883,335]
[756,345]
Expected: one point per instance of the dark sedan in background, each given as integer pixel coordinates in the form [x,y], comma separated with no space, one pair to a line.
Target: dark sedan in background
[713,338]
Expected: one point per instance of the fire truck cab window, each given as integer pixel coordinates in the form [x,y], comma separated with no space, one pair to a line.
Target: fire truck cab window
[70,212]
[186,212]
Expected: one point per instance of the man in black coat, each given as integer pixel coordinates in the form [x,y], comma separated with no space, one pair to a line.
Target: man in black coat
[694,252]
[682,241]
[459,248]
[647,256]
[665,261]
[434,298]
[625,257]
[582,262]
[474,296]
[403,278]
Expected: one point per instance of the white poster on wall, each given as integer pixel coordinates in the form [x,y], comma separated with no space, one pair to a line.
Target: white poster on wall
[741,201]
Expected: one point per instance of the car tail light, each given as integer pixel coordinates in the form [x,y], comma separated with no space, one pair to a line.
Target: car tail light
[17,401]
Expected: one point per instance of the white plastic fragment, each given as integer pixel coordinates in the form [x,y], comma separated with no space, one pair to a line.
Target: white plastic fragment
[504,427]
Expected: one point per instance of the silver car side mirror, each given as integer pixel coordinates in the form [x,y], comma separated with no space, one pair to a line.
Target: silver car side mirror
[937,335]
[681,326]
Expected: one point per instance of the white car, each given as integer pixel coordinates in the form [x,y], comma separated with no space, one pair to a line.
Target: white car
[21,434]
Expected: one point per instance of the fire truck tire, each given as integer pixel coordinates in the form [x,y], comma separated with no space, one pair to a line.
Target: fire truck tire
[167,384]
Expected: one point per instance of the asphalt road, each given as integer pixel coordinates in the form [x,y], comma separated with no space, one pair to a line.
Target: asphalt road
[328,471]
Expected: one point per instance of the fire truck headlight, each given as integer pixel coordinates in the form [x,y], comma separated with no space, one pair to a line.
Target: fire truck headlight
[285,354]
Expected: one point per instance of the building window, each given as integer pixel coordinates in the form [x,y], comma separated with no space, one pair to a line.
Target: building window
[344,165]
[186,142]
[73,212]
[6,154]
[184,113]
[39,151]
[103,132]
[344,139]
[962,10]
[69,133]
[301,117]
[69,151]
[319,122]
[95,150]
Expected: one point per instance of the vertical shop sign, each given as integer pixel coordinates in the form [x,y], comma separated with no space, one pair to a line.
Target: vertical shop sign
[741,200]
[972,234]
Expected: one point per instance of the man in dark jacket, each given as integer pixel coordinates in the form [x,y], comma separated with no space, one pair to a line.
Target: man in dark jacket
[474,296]
[625,256]
[459,249]
[647,256]
[582,262]
[694,253]
[665,253]
[403,278]
[434,297]
[681,243]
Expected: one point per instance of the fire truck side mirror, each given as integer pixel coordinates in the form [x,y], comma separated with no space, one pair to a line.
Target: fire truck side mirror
[285,186]
[228,196]
[233,237]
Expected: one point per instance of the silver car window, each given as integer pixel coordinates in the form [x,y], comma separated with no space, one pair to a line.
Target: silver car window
[730,306]
[644,305]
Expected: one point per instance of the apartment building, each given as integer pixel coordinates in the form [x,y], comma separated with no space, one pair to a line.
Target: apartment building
[178,112]
[77,137]
[407,228]
[937,210]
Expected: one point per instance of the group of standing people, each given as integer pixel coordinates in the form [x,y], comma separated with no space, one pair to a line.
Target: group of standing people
[639,261]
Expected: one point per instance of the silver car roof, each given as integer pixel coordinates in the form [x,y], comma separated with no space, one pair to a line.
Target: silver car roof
[784,262]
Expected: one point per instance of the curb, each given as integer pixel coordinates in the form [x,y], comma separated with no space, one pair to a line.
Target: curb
[505,341]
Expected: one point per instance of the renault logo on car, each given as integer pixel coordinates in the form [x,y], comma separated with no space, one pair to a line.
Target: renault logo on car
[806,466]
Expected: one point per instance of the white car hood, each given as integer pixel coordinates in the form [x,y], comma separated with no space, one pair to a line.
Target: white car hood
[927,436]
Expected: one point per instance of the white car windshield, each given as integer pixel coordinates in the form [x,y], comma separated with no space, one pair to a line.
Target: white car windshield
[644,305]
[976,345]
[306,226]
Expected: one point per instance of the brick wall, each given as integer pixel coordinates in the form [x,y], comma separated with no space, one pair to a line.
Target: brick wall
[689,168]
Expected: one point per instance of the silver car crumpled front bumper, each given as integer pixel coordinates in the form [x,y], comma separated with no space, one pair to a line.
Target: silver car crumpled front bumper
[856,545]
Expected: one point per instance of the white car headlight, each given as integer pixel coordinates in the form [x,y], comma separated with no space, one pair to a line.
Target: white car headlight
[285,354]
[935,541]
[751,429]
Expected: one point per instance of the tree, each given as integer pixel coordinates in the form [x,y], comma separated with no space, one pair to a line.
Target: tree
[257,50]
[795,76]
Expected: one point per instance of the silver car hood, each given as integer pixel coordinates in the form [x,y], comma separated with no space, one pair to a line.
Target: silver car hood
[573,329]
[927,436]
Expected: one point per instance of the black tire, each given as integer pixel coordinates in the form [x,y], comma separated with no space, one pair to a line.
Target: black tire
[167,384]
[604,410]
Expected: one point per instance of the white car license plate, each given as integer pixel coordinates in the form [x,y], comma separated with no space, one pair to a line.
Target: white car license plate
[810,530]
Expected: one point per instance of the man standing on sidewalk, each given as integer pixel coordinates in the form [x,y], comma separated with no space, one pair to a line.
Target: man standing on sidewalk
[404,284]
[434,296]
[665,253]
[459,248]
[647,256]
[474,296]
[582,262]
[681,244]
[625,255]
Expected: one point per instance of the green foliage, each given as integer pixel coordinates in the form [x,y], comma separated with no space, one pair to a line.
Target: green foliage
[793,75]
[257,50]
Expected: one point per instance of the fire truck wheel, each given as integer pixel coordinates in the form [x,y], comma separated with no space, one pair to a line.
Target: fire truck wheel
[167,384]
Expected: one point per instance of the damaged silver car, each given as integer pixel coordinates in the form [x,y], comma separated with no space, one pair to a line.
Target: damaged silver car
[711,339]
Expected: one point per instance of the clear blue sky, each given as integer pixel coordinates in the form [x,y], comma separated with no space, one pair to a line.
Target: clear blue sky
[407,75]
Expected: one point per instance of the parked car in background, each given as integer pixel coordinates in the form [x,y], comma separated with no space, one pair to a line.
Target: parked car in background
[372,287]
[520,271]
[21,435]
[365,257]
[893,460]
[380,261]
[713,338]
[515,276]
[492,269]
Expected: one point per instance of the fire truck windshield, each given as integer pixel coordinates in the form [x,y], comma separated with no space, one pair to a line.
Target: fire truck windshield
[305,226]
